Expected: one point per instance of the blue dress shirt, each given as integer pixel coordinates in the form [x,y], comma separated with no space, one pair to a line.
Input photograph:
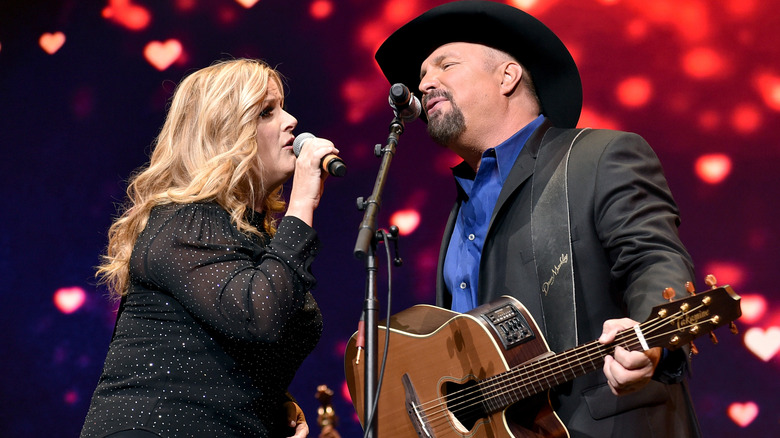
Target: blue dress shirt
[461,264]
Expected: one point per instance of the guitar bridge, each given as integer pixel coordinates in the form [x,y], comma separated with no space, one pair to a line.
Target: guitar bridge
[412,408]
[509,325]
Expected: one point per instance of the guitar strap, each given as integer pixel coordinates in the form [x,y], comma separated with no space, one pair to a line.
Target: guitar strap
[551,239]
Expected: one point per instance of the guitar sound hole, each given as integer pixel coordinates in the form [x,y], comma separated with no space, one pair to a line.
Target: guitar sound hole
[464,401]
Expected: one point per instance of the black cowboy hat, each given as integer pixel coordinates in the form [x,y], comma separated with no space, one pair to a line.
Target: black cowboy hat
[496,25]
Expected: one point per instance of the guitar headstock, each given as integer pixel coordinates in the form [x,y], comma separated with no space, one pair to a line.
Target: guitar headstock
[677,323]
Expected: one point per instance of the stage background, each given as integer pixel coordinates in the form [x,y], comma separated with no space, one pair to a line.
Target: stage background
[83,92]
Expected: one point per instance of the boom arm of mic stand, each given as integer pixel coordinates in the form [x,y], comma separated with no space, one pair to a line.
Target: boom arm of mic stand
[365,249]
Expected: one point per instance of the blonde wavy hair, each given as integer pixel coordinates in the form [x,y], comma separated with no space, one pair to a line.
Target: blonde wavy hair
[206,151]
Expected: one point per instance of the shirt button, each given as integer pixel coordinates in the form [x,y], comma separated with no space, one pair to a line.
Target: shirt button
[472,237]
[463,285]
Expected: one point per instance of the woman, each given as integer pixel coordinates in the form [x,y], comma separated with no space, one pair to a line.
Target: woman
[216,314]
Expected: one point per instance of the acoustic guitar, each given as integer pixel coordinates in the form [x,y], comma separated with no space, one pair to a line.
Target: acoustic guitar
[452,374]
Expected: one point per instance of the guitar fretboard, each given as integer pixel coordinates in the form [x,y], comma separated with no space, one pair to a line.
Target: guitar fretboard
[538,376]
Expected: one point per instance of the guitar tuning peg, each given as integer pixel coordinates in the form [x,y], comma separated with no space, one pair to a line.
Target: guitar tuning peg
[713,338]
[694,350]
[690,288]
[733,328]
[710,281]
[669,293]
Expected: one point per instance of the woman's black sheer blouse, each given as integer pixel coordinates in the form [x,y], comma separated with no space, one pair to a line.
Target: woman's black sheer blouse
[213,329]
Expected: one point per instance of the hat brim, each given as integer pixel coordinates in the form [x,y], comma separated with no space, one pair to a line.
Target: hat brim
[496,25]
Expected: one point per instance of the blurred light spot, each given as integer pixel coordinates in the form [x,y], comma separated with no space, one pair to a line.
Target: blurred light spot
[680,102]
[345,387]
[83,102]
[351,92]
[634,92]
[636,29]
[753,308]
[83,361]
[702,63]
[446,161]
[725,272]
[371,36]
[363,95]
[743,8]
[769,87]
[321,9]
[406,220]
[524,4]
[691,19]
[743,413]
[590,118]
[774,317]
[763,343]
[746,37]
[658,10]
[127,14]
[713,168]
[746,118]
[185,5]
[576,51]
[608,2]
[227,16]
[60,354]
[341,346]
[247,3]
[51,42]
[162,55]
[71,397]
[709,120]
[425,263]
[758,238]
[373,32]
[69,299]
[398,13]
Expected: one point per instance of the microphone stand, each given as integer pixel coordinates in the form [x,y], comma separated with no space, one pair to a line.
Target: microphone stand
[365,248]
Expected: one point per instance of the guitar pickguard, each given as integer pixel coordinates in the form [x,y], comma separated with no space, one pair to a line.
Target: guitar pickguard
[509,325]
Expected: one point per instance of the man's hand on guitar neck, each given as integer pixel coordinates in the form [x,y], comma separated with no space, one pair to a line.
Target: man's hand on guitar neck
[627,371]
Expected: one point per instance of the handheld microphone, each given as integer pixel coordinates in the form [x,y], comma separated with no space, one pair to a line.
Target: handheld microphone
[405,104]
[331,163]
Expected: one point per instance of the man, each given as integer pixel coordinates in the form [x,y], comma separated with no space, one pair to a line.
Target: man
[579,225]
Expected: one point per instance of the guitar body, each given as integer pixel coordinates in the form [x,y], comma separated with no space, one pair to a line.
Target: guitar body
[436,352]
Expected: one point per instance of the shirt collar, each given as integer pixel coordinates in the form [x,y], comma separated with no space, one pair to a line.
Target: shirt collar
[506,154]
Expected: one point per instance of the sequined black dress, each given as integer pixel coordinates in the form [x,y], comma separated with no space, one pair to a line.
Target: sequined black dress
[213,328]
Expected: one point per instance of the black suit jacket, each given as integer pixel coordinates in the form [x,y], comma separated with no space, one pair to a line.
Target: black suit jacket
[626,251]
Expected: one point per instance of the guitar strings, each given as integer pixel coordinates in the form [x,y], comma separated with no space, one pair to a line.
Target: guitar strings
[458,405]
[621,338]
[469,398]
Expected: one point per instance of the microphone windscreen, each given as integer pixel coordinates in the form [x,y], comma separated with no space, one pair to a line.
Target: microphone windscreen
[298,142]
[405,104]
[399,95]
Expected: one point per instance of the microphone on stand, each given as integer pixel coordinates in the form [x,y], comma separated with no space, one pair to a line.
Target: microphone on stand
[331,163]
[405,104]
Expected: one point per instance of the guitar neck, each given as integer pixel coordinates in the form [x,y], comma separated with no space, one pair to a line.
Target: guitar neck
[537,376]
[673,325]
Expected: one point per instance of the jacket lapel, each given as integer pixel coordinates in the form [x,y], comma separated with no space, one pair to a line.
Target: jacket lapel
[521,170]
